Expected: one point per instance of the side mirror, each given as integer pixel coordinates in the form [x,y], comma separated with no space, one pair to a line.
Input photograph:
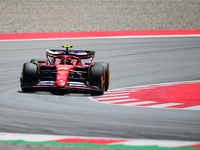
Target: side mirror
[89,63]
[41,61]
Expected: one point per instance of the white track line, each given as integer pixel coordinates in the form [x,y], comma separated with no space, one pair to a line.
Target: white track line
[111,94]
[123,100]
[160,143]
[164,105]
[193,108]
[110,37]
[125,90]
[117,97]
[137,103]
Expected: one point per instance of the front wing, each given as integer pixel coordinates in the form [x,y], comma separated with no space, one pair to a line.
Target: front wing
[70,87]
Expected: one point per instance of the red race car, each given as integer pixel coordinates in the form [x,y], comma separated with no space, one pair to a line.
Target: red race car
[64,71]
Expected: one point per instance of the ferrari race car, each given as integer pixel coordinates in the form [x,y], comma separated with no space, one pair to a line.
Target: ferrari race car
[64,71]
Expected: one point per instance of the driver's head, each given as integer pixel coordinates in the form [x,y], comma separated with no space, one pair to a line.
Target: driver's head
[62,60]
[69,61]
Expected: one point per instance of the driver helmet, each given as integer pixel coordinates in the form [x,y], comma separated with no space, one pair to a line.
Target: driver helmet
[69,61]
[62,60]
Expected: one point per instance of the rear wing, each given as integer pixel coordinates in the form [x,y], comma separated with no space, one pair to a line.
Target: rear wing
[82,54]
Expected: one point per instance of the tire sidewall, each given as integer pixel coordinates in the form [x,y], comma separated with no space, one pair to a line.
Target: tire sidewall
[96,78]
[107,73]
[30,73]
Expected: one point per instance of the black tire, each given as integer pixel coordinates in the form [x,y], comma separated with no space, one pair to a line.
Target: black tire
[107,73]
[97,75]
[27,90]
[29,76]
[35,61]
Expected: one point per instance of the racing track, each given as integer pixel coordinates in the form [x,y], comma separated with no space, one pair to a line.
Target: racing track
[133,62]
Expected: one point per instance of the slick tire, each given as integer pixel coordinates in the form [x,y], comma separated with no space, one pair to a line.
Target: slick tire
[97,75]
[107,73]
[29,75]
[27,90]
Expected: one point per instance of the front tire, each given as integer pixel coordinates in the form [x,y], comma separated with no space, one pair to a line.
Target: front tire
[107,73]
[29,76]
[97,75]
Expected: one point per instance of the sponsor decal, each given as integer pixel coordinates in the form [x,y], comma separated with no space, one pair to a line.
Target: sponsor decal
[49,82]
[62,71]
[73,84]
[76,84]
[62,83]
[45,83]
[62,67]
[76,52]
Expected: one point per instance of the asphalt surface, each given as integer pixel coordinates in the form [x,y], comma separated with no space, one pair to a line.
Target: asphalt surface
[133,62]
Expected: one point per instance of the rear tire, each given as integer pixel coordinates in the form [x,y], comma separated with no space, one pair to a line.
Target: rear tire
[97,75]
[107,73]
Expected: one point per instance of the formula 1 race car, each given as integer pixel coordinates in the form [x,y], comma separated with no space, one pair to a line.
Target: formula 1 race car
[64,71]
